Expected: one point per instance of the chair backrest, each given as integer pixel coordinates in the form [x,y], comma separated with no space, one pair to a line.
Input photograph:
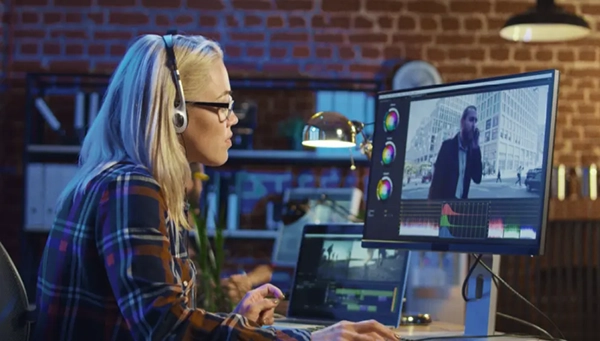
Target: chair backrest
[15,311]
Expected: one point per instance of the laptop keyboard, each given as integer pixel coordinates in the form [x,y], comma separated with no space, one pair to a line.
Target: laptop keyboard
[315,328]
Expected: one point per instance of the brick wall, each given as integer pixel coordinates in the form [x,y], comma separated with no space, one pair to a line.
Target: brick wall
[334,38]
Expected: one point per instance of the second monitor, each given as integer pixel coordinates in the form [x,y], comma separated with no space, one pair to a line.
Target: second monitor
[464,167]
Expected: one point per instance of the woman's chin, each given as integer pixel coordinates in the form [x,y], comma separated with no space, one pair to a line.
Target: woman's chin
[217,161]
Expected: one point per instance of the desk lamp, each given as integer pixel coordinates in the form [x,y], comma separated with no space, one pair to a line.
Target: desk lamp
[330,129]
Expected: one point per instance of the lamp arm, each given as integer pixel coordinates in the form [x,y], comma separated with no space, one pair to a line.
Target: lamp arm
[366,146]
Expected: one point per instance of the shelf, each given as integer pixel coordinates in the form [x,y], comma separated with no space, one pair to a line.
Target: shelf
[247,234]
[275,157]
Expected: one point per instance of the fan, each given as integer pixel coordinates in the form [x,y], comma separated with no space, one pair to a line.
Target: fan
[415,74]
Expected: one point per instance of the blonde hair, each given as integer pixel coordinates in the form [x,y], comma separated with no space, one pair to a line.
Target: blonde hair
[135,121]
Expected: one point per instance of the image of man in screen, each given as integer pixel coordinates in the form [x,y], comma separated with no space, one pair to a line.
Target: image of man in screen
[458,161]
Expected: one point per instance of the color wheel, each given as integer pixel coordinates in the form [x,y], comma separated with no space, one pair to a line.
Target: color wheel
[389,153]
[391,119]
[384,188]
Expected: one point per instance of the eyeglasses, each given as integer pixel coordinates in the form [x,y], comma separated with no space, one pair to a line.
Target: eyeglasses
[224,110]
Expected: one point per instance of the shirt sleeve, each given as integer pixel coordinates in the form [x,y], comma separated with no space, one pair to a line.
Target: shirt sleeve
[132,238]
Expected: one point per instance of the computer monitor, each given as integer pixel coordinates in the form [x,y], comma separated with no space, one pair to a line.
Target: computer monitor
[464,167]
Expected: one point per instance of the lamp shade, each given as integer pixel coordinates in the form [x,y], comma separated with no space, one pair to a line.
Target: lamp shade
[545,22]
[329,129]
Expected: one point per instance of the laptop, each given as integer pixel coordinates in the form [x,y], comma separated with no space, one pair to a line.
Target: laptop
[337,279]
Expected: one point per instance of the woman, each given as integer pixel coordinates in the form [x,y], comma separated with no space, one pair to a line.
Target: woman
[116,266]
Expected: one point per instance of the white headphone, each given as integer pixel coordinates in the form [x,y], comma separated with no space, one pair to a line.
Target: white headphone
[180,118]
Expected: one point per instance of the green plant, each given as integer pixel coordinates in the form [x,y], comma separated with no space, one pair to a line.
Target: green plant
[210,259]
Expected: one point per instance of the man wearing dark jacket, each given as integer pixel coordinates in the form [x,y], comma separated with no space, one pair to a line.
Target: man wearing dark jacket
[458,161]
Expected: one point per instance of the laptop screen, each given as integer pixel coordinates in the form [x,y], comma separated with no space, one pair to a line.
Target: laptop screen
[337,279]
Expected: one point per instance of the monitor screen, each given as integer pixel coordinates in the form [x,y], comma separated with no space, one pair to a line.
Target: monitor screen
[337,279]
[463,167]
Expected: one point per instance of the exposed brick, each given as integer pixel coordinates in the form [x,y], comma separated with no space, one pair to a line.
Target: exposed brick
[278,52]
[427,6]
[511,7]
[51,18]
[73,18]
[239,36]
[116,3]
[255,52]
[71,3]
[207,21]
[331,22]
[383,6]
[127,18]
[367,38]
[427,23]
[406,23]
[252,20]
[522,54]
[275,22]
[587,55]
[28,49]
[112,35]
[467,6]
[386,22]
[184,20]
[473,24]
[323,52]
[29,18]
[329,38]
[499,54]
[300,52]
[340,6]
[251,4]
[363,22]
[296,22]
[212,5]
[290,37]
[544,55]
[161,3]
[296,5]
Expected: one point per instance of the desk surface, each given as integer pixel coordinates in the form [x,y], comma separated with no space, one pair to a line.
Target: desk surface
[441,330]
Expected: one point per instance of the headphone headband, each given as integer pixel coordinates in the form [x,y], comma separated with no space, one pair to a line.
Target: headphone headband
[180,116]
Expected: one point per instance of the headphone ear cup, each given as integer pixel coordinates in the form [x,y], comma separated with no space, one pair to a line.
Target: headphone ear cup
[180,121]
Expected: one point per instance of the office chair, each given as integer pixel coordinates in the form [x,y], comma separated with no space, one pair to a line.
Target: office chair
[16,314]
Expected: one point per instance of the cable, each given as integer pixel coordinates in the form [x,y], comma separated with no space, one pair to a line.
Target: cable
[469,274]
[516,319]
[514,291]
[496,280]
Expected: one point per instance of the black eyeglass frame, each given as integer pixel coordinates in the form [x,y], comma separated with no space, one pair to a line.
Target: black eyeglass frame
[218,105]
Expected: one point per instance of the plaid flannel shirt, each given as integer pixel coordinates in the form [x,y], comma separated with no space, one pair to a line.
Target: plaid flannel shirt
[116,268]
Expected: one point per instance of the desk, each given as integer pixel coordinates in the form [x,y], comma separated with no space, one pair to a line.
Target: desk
[415,332]
[441,329]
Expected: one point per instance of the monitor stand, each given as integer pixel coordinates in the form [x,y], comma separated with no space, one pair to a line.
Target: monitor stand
[480,312]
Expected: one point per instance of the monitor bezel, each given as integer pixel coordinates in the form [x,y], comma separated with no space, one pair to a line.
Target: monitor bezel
[502,247]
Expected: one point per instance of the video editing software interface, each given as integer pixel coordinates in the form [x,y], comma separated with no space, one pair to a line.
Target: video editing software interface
[337,279]
[464,166]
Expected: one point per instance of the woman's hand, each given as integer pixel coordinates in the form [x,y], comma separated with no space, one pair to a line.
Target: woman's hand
[256,305]
[237,286]
[355,331]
